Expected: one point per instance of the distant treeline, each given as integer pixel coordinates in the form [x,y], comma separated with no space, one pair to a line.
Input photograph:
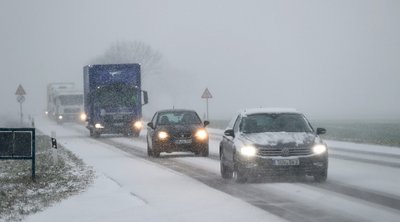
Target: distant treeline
[378,132]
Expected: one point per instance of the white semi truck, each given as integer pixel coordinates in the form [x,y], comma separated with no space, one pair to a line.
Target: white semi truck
[64,102]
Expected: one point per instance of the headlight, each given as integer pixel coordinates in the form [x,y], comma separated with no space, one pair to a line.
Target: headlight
[319,149]
[248,151]
[201,134]
[98,126]
[162,135]
[83,116]
[47,113]
[60,117]
[138,124]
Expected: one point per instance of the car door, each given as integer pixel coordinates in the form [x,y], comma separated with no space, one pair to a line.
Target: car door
[228,142]
[151,130]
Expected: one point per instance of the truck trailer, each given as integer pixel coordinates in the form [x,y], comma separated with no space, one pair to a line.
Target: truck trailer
[64,102]
[113,99]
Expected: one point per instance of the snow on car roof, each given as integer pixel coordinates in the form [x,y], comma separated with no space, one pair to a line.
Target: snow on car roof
[268,110]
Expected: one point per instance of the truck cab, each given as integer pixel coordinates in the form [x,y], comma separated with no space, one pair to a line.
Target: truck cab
[113,99]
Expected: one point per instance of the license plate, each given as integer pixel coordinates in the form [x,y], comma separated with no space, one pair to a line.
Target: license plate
[118,124]
[185,141]
[285,162]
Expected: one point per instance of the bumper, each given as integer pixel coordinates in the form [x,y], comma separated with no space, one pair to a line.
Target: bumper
[169,146]
[114,128]
[261,165]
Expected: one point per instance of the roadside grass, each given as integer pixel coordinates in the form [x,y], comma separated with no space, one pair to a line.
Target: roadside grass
[59,174]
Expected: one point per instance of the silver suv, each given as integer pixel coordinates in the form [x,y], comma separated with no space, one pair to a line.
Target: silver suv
[259,142]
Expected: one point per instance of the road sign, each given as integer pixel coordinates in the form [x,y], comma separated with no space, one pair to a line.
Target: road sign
[20,91]
[206,94]
[20,99]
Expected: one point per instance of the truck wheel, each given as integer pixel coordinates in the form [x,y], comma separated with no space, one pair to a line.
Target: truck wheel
[91,134]
[96,134]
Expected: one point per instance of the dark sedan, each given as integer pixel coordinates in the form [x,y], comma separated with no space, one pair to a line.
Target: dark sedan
[259,142]
[177,130]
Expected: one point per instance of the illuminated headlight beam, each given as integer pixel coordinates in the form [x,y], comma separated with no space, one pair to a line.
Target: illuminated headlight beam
[162,135]
[138,125]
[83,116]
[98,126]
[201,134]
[319,149]
[248,151]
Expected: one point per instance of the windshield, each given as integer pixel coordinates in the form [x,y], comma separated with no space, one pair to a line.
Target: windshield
[274,123]
[178,118]
[69,100]
[115,95]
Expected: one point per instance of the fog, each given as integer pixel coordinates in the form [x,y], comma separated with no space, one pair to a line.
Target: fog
[328,59]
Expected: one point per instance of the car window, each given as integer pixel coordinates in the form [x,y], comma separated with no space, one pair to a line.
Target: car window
[178,118]
[237,124]
[285,122]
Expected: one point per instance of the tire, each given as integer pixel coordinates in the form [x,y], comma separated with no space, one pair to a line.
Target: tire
[91,134]
[203,152]
[321,177]
[226,173]
[155,152]
[135,133]
[96,134]
[239,175]
[149,152]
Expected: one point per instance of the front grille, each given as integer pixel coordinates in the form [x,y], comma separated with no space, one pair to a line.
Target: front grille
[183,136]
[72,110]
[293,151]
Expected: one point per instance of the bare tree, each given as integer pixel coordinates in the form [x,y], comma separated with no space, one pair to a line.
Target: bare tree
[133,52]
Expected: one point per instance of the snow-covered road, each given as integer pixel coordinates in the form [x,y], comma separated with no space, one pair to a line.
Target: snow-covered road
[132,187]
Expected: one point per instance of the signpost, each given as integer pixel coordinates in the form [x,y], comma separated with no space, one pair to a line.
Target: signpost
[206,95]
[20,98]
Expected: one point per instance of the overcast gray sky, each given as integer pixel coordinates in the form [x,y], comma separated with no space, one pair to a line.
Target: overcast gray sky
[329,59]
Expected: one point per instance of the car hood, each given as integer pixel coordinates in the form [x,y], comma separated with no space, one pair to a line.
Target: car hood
[273,139]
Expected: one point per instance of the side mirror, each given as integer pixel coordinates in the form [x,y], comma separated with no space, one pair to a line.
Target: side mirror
[145,98]
[229,132]
[206,123]
[150,124]
[321,131]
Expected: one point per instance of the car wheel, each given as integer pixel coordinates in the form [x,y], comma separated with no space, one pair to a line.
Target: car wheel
[135,133]
[154,151]
[149,152]
[239,175]
[226,172]
[321,176]
[203,152]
